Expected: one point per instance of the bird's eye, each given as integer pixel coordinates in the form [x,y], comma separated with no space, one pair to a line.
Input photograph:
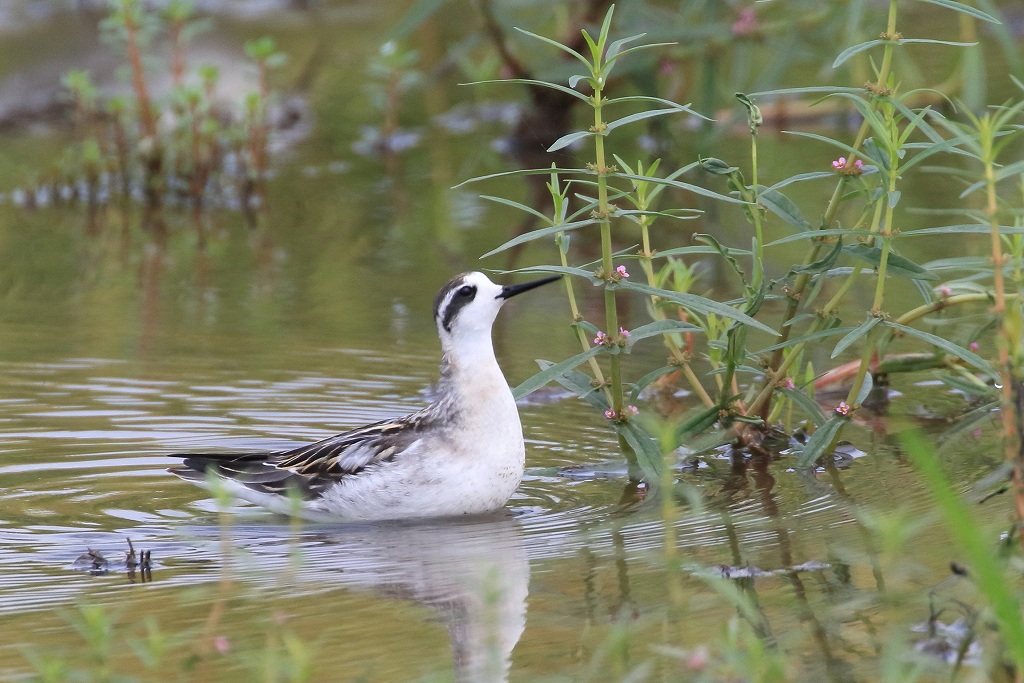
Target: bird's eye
[466,290]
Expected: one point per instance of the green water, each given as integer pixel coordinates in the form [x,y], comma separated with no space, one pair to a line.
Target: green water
[116,351]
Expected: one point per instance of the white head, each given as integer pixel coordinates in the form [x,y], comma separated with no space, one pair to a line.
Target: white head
[466,306]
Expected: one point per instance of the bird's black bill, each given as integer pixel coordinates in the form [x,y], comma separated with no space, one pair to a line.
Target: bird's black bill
[509,291]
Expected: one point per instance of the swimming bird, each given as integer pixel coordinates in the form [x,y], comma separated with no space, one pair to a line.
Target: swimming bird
[461,455]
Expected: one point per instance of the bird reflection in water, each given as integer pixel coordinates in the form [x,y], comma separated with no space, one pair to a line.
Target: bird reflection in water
[473,573]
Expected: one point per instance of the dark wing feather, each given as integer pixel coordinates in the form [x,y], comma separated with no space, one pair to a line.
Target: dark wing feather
[309,470]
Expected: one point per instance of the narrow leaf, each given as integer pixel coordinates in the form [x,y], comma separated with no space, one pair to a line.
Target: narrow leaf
[807,404]
[699,304]
[855,334]
[965,9]
[537,234]
[895,264]
[820,441]
[810,336]
[612,125]
[540,84]
[855,50]
[648,455]
[945,345]
[550,372]
[824,263]
[783,207]
[568,139]
[648,379]
[661,327]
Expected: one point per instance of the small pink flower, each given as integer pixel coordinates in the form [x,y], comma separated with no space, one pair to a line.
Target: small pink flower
[974,346]
[632,410]
[697,660]
[945,291]
[221,644]
[843,408]
[610,414]
[600,339]
[746,24]
[624,333]
[789,383]
[976,433]
[621,270]
[856,168]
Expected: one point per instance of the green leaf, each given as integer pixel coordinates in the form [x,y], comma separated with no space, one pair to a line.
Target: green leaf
[895,264]
[816,234]
[696,189]
[697,424]
[754,118]
[949,347]
[717,166]
[645,98]
[554,43]
[855,334]
[824,263]
[855,50]
[648,379]
[810,336]
[661,327]
[972,229]
[699,304]
[820,441]
[865,389]
[528,171]
[537,234]
[516,205]
[807,404]
[965,9]
[724,252]
[612,125]
[800,177]
[811,90]
[616,47]
[552,370]
[987,570]
[529,81]
[821,138]
[683,251]
[568,139]
[648,454]
[564,270]
[783,207]
[579,384]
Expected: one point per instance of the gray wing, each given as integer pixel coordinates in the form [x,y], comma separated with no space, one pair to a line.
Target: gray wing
[310,470]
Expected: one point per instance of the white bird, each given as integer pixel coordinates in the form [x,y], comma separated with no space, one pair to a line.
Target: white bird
[461,455]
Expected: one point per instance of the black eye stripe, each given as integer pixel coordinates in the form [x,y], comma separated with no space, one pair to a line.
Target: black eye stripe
[463,296]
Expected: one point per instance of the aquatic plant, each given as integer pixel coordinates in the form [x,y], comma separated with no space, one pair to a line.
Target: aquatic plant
[184,146]
[746,391]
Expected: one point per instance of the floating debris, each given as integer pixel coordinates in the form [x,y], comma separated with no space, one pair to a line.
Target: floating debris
[93,562]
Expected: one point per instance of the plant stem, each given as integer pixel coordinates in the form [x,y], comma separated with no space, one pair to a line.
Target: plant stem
[581,334]
[1011,449]
[604,211]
